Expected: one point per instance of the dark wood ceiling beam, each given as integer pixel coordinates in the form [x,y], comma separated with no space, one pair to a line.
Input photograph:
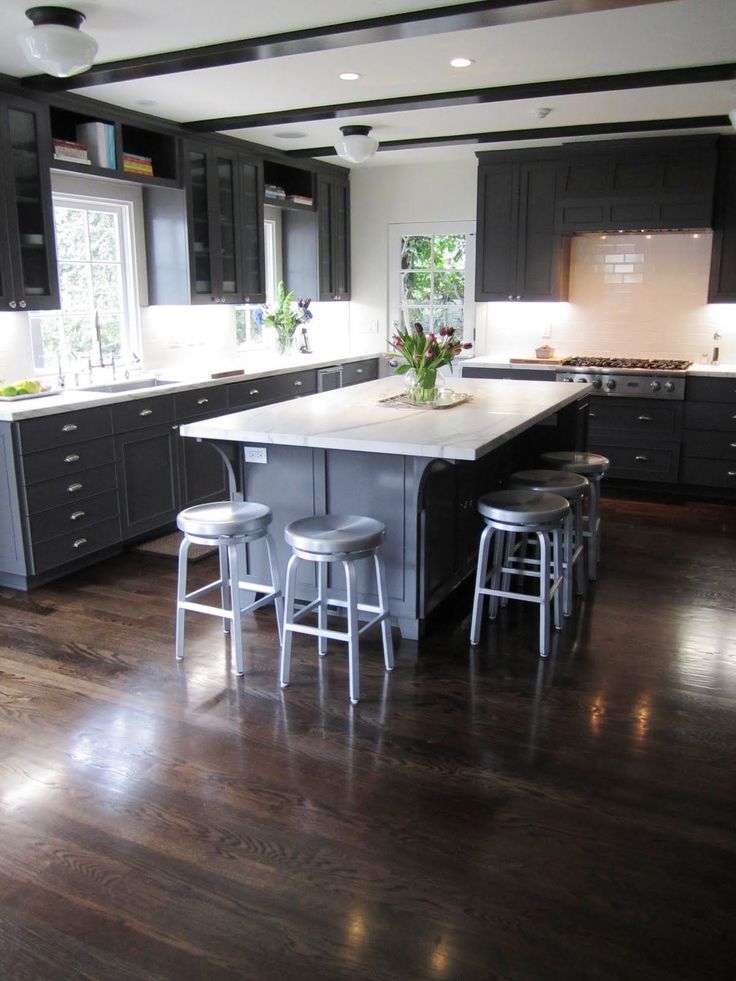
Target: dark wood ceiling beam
[416,23]
[524,135]
[473,97]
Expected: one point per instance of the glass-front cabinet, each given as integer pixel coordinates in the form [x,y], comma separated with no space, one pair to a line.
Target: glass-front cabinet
[28,279]
[225,218]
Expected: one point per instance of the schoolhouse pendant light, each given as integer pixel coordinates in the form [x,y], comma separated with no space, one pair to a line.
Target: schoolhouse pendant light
[55,45]
[356,144]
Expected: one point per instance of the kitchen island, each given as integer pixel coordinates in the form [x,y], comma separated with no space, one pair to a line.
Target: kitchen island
[419,470]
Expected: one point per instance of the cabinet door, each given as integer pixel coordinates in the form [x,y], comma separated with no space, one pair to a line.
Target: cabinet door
[147,474]
[325,219]
[251,225]
[202,474]
[333,229]
[225,234]
[201,255]
[543,256]
[722,286]
[498,221]
[30,266]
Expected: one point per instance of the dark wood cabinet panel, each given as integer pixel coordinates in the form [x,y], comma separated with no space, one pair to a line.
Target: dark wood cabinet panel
[722,284]
[355,372]
[147,471]
[202,474]
[513,374]
[316,244]
[64,428]
[143,413]
[710,416]
[28,276]
[520,256]
[711,390]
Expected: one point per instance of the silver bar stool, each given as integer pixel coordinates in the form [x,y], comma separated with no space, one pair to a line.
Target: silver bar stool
[229,526]
[573,487]
[342,538]
[521,512]
[593,466]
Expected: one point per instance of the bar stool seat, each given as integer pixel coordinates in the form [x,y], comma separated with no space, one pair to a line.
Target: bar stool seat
[573,487]
[593,466]
[325,539]
[229,526]
[526,512]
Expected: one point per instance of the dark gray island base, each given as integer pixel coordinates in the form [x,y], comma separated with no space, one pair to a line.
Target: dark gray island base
[428,503]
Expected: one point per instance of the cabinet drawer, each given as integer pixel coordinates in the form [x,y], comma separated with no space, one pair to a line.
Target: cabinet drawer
[635,416]
[640,462]
[710,415]
[716,446]
[295,384]
[359,371]
[257,391]
[68,459]
[64,429]
[711,389]
[73,516]
[512,374]
[708,473]
[139,413]
[75,544]
[61,490]
[200,402]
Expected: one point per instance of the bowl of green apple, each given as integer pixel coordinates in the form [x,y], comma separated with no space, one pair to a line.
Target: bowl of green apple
[25,389]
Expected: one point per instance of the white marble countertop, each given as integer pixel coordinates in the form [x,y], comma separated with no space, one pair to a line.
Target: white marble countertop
[698,370]
[354,419]
[68,399]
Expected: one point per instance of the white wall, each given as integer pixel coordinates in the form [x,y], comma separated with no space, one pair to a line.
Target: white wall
[381,196]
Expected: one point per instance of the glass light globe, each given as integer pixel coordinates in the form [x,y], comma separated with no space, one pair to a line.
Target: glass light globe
[59,50]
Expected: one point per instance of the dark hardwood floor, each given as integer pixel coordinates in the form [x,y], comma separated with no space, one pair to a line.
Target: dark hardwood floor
[481,814]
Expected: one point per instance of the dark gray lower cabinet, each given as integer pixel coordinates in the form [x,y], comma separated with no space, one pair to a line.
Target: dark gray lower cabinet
[147,471]
[709,444]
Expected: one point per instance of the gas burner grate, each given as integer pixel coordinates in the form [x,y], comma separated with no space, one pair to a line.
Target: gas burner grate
[647,364]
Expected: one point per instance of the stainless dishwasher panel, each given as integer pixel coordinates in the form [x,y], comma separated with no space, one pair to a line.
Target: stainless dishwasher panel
[329,379]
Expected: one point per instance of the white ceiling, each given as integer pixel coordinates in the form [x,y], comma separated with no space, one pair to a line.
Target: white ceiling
[668,34]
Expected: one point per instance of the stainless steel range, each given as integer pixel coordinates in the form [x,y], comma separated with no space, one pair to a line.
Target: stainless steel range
[642,378]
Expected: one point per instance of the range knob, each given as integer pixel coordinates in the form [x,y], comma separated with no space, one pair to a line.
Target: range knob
[582,381]
[610,384]
[669,386]
[654,385]
[567,379]
[597,383]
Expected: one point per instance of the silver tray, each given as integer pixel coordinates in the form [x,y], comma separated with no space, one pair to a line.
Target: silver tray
[447,401]
[29,395]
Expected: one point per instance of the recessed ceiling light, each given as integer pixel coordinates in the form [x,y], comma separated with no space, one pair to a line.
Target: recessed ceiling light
[462,62]
[290,134]
[349,76]
[146,102]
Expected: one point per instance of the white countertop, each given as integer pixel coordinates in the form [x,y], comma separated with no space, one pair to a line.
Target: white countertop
[698,370]
[69,399]
[354,419]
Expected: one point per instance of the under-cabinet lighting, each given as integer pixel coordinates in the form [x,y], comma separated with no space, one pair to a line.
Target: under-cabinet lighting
[462,62]
[350,76]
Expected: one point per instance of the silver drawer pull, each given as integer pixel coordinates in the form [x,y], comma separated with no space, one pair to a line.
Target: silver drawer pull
[71,458]
[202,401]
[146,412]
[642,459]
[732,445]
[731,473]
[76,515]
[297,384]
[71,427]
[79,542]
[644,418]
[73,488]
[592,415]
[254,391]
[358,371]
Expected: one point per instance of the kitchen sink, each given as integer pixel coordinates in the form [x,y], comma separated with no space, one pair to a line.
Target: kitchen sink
[130,385]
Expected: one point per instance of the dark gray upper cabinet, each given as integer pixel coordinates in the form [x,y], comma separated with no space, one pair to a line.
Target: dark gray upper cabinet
[722,286]
[519,254]
[333,210]
[28,277]
[205,243]
[637,184]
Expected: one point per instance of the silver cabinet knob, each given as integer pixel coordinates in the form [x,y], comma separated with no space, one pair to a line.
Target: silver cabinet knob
[202,401]
[641,459]
[644,418]
[71,458]
[23,304]
[298,383]
[73,488]
[254,391]
[69,427]
[146,412]
[79,542]
[12,304]
[358,371]
[76,515]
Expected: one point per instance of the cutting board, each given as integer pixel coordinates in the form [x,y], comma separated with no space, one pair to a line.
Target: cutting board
[536,360]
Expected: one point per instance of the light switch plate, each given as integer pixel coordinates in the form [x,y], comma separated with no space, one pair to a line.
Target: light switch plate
[256,454]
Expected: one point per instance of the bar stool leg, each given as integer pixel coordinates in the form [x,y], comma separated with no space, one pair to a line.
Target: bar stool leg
[322,608]
[508,552]
[569,550]
[352,611]
[288,619]
[480,580]
[224,588]
[278,600]
[388,647]
[237,633]
[593,520]
[579,543]
[181,595]
[544,589]
[499,550]
[557,571]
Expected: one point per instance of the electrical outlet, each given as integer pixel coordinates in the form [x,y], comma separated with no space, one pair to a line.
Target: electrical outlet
[547,331]
[256,454]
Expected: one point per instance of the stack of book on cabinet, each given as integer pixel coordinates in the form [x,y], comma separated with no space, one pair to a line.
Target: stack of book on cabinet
[304,199]
[99,139]
[70,151]
[134,163]
[274,193]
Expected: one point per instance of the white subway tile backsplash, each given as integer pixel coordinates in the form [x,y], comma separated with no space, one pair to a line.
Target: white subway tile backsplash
[641,296]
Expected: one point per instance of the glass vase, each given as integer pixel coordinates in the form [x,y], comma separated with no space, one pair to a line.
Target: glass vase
[284,343]
[421,386]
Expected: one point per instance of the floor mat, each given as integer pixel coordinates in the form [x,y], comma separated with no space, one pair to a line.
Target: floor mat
[169,545]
